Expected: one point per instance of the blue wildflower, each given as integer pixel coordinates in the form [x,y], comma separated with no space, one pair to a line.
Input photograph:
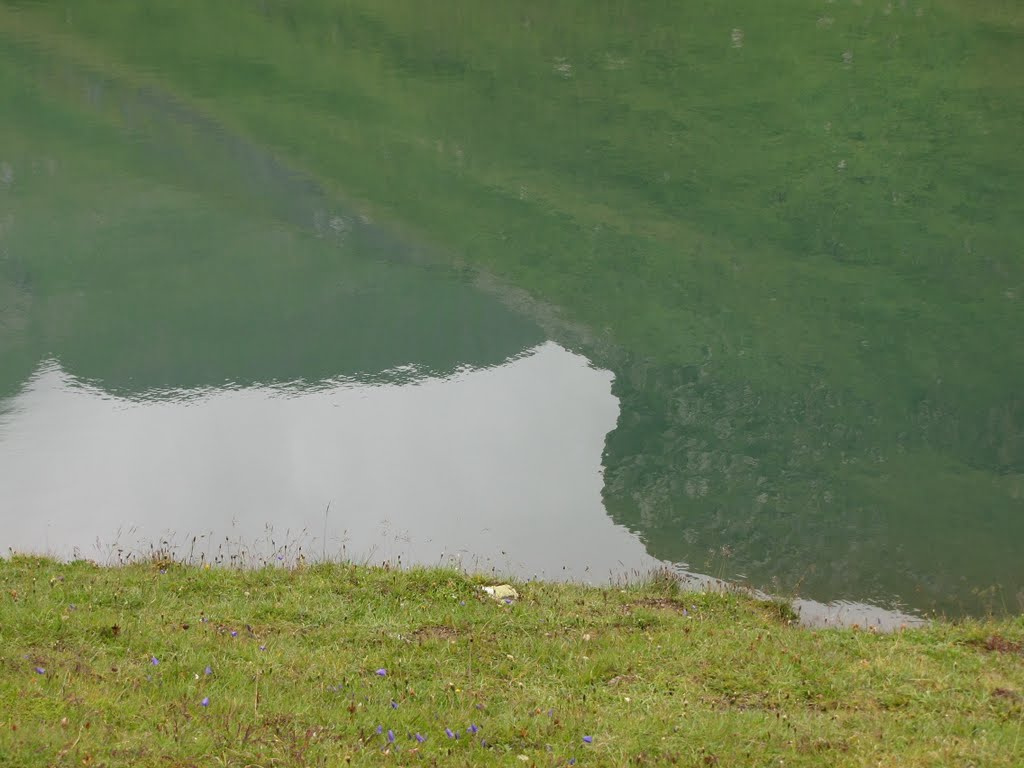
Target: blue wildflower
[154,660]
[472,728]
[394,704]
[391,736]
[208,670]
[382,672]
[380,729]
[449,733]
[205,702]
[588,739]
[40,671]
[420,738]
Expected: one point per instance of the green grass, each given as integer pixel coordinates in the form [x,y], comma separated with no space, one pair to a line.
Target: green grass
[103,666]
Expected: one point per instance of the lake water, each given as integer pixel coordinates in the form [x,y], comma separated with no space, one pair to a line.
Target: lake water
[566,292]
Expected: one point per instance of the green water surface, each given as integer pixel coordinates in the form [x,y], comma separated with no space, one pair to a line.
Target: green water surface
[793,231]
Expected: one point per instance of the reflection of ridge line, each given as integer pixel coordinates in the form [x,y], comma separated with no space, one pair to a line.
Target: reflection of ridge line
[407,374]
[187,147]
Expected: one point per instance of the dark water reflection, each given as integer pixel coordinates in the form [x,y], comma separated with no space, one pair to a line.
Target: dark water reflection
[805,511]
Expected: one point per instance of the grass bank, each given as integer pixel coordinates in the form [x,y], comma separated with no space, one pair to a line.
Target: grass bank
[338,664]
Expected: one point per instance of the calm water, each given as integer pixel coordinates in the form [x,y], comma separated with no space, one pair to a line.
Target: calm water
[544,291]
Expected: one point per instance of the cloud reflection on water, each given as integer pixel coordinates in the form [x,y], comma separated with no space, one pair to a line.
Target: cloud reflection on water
[500,464]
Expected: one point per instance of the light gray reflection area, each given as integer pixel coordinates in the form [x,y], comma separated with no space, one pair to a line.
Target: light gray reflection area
[500,466]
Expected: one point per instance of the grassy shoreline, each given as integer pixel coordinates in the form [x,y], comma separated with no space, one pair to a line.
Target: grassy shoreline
[340,664]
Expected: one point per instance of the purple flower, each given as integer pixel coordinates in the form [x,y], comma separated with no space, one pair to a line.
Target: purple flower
[234,633]
[40,671]
[205,702]
[472,728]
[380,729]
[263,647]
[154,660]
[588,739]
[208,670]
[391,736]
[449,733]
[483,742]
[394,704]
[572,761]
[551,713]
[382,672]
[420,738]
